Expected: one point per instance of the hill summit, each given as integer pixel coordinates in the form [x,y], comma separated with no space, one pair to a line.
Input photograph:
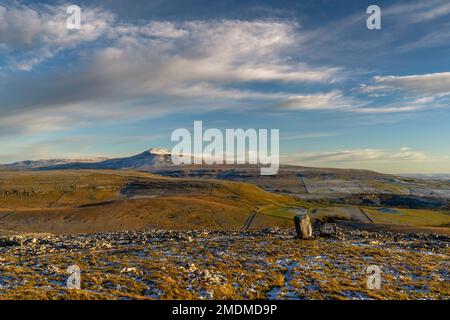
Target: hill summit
[153,157]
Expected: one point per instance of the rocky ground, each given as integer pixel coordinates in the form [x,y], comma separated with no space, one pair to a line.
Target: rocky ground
[269,264]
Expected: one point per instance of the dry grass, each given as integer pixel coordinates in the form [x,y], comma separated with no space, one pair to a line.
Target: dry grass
[94,201]
[244,268]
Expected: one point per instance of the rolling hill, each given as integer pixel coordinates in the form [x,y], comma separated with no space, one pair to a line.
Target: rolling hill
[86,201]
[343,186]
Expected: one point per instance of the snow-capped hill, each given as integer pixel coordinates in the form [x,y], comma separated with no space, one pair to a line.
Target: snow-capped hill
[153,157]
[157,151]
[150,158]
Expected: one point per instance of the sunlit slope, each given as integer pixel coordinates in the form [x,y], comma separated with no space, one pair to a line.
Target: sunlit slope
[34,190]
[409,217]
[97,201]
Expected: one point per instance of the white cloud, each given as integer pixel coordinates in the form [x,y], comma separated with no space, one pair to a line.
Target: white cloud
[412,92]
[432,13]
[412,12]
[427,84]
[319,101]
[204,88]
[226,49]
[223,51]
[369,89]
[359,155]
[34,34]
[146,69]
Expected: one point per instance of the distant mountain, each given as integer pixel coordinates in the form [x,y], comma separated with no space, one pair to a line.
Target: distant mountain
[151,158]
[35,164]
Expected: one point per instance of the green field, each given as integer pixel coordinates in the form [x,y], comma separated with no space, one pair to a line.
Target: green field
[410,217]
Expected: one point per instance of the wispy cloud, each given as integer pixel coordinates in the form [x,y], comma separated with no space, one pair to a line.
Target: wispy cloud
[424,84]
[359,155]
[144,68]
[32,34]
[319,101]
[412,92]
[414,12]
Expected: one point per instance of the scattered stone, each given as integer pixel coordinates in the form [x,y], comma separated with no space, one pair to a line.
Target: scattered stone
[129,270]
[53,269]
[191,268]
[170,254]
[328,229]
[8,242]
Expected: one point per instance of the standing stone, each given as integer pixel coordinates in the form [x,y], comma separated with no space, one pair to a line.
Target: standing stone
[303,226]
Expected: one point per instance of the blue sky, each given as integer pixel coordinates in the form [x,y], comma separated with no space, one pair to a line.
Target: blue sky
[341,95]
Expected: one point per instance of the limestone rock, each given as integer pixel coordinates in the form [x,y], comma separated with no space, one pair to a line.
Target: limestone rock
[129,270]
[328,229]
[303,226]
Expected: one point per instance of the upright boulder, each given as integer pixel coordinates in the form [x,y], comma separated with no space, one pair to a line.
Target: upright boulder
[303,226]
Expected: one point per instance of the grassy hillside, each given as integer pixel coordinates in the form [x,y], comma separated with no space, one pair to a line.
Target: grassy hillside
[97,201]
[409,217]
